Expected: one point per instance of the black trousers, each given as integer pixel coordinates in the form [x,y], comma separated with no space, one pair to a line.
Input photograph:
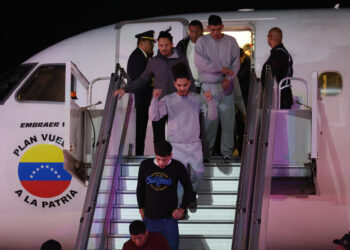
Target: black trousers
[142,102]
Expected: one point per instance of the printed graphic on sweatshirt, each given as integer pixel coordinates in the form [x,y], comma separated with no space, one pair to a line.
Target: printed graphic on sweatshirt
[158,181]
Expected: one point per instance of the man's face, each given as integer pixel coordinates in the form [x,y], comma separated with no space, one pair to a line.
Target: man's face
[165,47]
[270,38]
[216,31]
[182,86]
[163,161]
[194,32]
[147,46]
[139,239]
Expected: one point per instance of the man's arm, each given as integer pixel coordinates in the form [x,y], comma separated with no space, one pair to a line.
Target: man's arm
[187,185]
[157,109]
[235,64]
[141,190]
[137,84]
[202,60]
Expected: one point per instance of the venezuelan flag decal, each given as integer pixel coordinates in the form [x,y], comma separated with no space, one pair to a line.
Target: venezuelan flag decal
[41,171]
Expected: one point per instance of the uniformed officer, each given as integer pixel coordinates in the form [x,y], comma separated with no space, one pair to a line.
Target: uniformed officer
[136,65]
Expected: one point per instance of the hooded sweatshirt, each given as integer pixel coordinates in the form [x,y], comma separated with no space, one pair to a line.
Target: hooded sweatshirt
[160,67]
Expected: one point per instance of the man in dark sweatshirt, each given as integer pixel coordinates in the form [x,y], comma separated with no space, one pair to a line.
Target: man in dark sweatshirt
[281,63]
[159,67]
[157,193]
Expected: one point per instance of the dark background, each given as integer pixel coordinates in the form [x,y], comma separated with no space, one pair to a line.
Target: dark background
[29,27]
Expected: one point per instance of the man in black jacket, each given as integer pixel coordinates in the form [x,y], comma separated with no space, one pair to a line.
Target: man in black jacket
[157,193]
[136,65]
[281,64]
[186,48]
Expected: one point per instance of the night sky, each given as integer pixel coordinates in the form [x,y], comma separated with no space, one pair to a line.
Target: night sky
[27,27]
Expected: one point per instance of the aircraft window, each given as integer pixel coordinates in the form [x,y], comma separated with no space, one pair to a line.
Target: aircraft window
[10,80]
[46,84]
[331,83]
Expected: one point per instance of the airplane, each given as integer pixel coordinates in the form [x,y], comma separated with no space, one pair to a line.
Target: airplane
[43,193]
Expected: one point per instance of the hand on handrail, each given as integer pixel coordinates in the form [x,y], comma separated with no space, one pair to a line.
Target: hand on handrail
[119,92]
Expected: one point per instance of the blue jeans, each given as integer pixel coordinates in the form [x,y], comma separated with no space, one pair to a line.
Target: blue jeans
[166,226]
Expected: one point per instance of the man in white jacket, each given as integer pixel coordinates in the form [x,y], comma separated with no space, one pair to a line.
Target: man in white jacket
[183,108]
[217,59]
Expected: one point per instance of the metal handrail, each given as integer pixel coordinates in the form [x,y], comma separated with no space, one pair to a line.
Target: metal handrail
[261,182]
[247,174]
[92,84]
[114,187]
[99,160]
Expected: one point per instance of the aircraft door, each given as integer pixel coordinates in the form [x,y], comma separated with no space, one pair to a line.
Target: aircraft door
[40,198]
[76,101]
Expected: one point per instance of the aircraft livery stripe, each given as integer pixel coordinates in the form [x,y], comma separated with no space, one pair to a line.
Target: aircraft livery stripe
[42,171]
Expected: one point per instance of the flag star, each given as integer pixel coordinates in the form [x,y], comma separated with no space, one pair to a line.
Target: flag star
[37,169]
[55,172]
[42,166]
[47,166]
[58,176]
[31,176]
[33,172]
[51,169]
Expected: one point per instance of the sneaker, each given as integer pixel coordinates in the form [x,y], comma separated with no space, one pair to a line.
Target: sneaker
[206,160]
[227,159]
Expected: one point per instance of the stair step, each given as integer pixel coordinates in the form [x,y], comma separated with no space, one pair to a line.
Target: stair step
[210,169]
[212,184]
[211,228]
[138,159]
[293,186]
[208,213]
[205,198]
[291,171]
[187,242]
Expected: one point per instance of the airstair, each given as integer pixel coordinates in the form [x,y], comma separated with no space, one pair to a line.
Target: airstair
[209,227]
[233,198]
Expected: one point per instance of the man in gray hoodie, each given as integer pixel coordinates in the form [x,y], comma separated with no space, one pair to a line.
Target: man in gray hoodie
[159,67]
[182,109]
[217,59]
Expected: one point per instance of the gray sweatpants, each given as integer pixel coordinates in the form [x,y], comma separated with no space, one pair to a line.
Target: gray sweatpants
[226,116]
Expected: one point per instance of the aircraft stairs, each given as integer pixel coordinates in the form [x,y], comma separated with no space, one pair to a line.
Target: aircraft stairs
[232,205]
[209,227]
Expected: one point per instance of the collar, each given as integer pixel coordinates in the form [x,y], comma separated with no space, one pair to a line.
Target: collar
[155,162]
[144,53]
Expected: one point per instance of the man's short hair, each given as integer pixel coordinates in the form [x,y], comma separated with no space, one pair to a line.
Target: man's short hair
[162,148]
[165,34]
[214,20]
[344,242]
[180,71]
[278,32]
[51,245]
[196,23]
[137,227]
